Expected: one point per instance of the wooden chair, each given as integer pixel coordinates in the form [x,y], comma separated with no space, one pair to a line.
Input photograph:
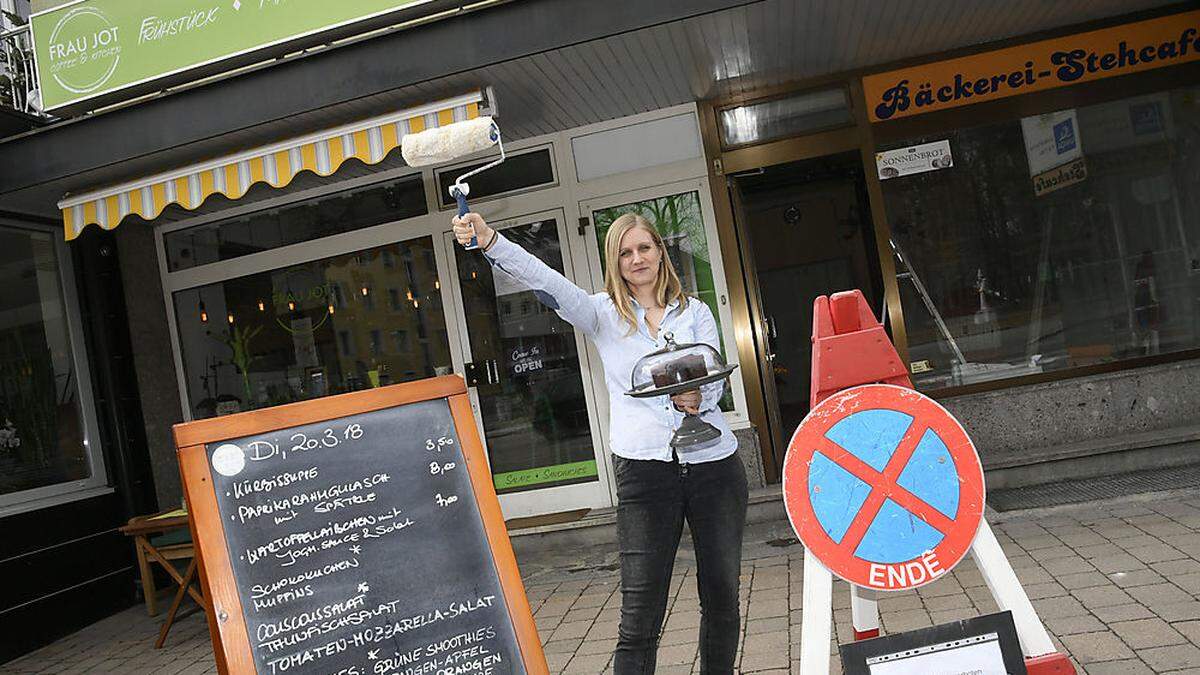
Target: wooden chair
[164,538]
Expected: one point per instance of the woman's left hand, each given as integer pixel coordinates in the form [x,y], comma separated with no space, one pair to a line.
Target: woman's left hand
[688,401]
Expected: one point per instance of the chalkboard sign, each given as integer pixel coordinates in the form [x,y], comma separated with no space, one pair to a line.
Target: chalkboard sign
[359,534]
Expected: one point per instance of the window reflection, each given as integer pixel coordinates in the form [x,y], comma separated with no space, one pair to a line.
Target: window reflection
[312,330]
[297,222]
[531,397]
[680,223]
[1062,240]
[41,428]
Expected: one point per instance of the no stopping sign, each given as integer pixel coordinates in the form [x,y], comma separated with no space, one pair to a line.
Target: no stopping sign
[883,485]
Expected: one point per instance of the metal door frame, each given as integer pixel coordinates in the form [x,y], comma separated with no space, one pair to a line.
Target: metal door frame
[537,501]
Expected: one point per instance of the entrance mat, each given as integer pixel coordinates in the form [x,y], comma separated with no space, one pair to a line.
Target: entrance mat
[1100,487]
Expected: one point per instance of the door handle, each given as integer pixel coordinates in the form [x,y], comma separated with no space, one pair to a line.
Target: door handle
[483,372]
[771,335]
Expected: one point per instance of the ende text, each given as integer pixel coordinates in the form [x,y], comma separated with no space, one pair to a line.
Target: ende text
[906,574]
[1070,65]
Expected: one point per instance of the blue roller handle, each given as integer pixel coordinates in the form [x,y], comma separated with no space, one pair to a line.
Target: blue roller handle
[462,211]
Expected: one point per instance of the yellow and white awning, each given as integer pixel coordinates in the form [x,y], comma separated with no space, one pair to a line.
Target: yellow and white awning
[277,164]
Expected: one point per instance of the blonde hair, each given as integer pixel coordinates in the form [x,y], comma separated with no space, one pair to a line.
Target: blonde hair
[666,283]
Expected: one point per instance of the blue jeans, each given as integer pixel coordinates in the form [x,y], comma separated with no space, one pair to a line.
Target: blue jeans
[654,499]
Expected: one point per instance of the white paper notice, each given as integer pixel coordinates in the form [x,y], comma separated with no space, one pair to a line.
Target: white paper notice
[915,159]
[1051,140]
[973,658]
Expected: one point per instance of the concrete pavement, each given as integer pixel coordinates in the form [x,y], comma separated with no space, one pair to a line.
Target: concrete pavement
[1117,583]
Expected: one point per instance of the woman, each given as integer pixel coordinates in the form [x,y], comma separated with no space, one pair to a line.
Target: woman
[657,489]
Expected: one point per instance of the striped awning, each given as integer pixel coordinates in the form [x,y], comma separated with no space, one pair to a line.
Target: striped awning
[322,153]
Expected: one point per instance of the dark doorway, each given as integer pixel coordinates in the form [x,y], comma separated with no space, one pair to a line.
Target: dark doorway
[807,232]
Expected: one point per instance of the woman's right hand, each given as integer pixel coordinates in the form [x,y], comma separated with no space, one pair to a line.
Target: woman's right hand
[472,225]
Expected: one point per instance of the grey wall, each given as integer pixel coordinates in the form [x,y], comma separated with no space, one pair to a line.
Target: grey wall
[751,455]
[152,358]
[1021,425]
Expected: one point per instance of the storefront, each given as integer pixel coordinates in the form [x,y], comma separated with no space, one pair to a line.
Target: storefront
[1032,248]
[1022,216]
[298,291]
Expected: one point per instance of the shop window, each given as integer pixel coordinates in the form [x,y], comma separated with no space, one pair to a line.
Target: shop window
[518,172]
[680,222]
[1061,240]
[301,221]
[285,340]
[45,407]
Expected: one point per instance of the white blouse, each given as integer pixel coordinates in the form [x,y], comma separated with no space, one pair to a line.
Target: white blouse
[638,428]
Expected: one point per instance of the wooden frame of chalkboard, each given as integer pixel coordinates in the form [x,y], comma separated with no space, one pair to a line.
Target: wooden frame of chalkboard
[232,643]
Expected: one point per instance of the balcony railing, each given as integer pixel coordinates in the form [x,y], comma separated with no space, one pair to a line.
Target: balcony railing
[18,79]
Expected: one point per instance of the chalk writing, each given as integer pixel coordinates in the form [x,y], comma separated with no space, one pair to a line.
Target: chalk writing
[244,487]
[322,500]
[302,442]
[437,445]
[436,468]
[359,552]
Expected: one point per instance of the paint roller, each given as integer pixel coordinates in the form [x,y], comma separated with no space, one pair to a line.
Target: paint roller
[444,144]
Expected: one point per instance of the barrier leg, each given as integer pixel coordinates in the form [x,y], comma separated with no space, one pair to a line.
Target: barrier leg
[1041,658]
[864,612]
[816,617]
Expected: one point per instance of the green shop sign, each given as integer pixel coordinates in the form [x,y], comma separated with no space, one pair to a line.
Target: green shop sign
[93,48]
[545,474]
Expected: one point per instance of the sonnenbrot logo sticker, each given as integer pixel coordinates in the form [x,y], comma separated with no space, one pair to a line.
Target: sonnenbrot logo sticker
[914,159]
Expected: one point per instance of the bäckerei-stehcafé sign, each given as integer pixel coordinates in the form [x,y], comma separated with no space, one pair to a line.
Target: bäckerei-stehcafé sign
[1048,64]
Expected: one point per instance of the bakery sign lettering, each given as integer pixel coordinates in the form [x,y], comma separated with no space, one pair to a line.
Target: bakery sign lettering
[1048,64]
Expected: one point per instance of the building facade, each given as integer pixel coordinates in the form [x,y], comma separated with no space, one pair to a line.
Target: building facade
[1014,193]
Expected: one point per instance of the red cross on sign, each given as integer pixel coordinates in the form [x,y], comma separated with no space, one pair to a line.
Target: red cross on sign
[883,485]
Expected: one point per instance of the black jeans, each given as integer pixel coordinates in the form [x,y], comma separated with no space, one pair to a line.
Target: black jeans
[654,499]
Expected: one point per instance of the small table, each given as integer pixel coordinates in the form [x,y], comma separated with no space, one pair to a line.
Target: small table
[154,540]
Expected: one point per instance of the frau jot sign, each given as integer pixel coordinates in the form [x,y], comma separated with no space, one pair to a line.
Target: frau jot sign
[93,48]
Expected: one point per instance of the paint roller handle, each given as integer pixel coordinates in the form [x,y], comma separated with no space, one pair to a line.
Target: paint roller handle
[471,228]
[463,210]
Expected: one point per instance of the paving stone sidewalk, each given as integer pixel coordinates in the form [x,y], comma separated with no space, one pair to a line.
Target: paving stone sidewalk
[1116,583]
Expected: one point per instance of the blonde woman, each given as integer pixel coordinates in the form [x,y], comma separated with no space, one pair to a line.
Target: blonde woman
[657,489]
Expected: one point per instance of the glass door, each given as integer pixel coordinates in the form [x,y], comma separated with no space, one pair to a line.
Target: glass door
[806,231]
[525,367]
[683,215]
